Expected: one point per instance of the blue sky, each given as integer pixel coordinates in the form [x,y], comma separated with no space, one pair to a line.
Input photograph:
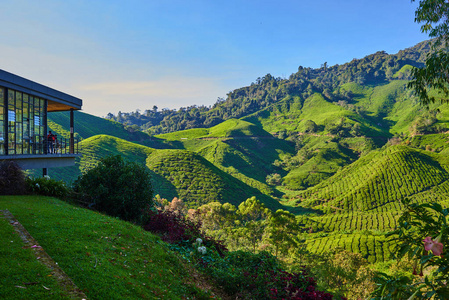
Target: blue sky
[128,55]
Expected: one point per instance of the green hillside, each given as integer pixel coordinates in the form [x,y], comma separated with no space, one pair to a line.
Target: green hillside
[176,173]
[192,178]
[377,179]
[238,148]
[96,147]
[87,125]
[326,162]
[229,128]
[106,258]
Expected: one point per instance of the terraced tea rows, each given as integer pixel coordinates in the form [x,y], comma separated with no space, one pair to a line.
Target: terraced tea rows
[375,248]
[195,180]
[377,179]
[358,221]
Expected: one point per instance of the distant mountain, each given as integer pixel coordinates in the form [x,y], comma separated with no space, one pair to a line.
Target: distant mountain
[268,91]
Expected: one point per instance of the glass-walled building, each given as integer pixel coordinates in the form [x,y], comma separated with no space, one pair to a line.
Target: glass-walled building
[24,106]
[22,117]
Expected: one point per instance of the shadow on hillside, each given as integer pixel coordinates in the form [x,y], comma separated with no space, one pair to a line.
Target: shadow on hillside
[261,154]
[158,143]
[162,186]
[302,210]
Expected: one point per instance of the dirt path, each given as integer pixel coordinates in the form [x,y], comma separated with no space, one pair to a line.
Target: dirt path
[66,283]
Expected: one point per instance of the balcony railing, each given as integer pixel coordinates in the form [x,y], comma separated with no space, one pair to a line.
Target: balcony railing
[61,146]
[39,145]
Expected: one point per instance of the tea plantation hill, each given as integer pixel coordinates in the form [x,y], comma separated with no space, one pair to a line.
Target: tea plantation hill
[87,125]
[379,179]
[347,142]
[239,148]
[176,172]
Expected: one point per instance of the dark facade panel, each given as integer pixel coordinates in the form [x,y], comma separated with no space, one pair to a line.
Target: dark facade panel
[41,161]
[21,84]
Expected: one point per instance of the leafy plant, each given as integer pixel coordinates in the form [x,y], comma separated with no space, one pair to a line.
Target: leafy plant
[422,237]
[47,187]
[260,276]
[116,187]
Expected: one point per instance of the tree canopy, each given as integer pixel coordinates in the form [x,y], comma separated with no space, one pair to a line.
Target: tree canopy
[433,14]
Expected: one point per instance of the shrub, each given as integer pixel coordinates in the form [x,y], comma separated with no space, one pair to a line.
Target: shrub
[274,179]
[240,274]
[47,187]
[259,276]
[175,228]
[116,187]
[12,179]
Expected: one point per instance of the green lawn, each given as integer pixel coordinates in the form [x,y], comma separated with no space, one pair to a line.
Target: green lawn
[105,257]
[22,275]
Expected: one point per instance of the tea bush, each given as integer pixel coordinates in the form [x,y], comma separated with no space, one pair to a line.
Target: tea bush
[116,187]
[422,238]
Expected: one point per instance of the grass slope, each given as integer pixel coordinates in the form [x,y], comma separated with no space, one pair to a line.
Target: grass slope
[105,257]
[23,276]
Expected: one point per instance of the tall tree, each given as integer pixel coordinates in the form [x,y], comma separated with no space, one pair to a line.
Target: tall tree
[433,14]
[283,231]
[253,215]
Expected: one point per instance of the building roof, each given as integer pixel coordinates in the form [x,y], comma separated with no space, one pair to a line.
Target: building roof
[57,101]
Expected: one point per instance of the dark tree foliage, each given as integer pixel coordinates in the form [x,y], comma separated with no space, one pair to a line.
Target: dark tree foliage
[116,187]
[268,91]
[12,179]
[434,75]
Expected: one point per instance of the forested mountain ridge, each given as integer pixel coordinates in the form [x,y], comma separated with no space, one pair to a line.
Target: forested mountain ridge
[329,81]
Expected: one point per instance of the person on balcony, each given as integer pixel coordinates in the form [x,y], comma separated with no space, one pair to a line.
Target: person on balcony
[50,142]
[56,144]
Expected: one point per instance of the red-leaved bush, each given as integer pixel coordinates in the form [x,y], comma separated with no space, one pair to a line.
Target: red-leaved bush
[174,228]
[295,286]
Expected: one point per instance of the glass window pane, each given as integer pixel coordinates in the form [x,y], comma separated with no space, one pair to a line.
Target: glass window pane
[11,99]
[11,123]
[2,138]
